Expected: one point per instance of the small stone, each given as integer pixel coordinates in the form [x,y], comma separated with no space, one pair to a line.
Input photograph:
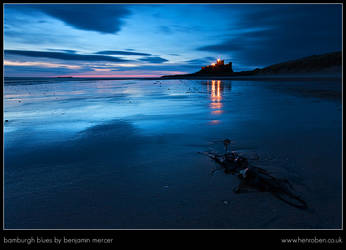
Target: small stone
[225,202]
[165,186]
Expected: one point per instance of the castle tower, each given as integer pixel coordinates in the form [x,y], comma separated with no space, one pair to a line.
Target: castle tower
[230,66]
[220,62]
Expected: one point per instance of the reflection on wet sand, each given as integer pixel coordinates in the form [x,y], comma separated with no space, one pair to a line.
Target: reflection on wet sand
[215,89]
[103,147]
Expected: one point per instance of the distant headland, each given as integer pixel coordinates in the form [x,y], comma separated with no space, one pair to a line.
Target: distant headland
[325,64]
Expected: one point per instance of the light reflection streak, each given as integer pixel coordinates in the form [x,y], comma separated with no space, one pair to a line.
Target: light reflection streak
[214,122]
[216,104]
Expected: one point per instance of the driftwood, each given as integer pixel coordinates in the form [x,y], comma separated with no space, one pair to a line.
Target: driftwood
[255,178]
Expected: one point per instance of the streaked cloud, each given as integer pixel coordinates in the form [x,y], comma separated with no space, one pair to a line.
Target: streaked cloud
[40,64]
[64,56]
[153,59]
[101,70]
[119,52]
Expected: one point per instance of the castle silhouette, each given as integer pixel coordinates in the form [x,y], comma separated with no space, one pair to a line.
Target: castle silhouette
[217,68]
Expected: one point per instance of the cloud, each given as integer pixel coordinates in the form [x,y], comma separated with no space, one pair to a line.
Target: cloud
[117,52]
[201,61]
[40,64]
[173,28]
[230,45]
[64,50]
[165,29]
[102,70]
[153,59]
[182,67]
[276,33]
[64,56]
[37,71]
[103,18]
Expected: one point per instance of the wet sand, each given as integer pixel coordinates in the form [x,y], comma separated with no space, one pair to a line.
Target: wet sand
[334,76]
[123,154]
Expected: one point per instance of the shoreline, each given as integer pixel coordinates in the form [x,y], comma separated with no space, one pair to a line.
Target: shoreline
[261,77]
[184,77]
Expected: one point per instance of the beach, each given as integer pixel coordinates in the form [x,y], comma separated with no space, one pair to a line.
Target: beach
[124,154]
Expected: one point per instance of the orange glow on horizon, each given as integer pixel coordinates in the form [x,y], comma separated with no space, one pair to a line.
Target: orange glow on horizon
[125,74]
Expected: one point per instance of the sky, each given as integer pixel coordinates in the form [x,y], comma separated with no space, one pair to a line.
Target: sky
[149,40]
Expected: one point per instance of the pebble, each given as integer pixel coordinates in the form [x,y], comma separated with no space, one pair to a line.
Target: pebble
[225,202]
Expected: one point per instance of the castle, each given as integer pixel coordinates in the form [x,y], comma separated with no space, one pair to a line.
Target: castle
[218,67]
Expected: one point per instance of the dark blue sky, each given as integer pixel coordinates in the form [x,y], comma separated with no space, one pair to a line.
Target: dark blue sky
[158,39]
